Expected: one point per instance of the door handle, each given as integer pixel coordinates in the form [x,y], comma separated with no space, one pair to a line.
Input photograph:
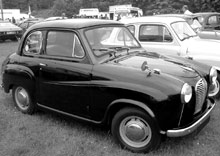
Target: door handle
[42,64]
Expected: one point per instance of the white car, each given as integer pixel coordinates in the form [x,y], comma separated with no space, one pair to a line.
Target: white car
[174,36]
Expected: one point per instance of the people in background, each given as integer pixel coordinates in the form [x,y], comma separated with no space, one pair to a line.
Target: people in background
[63,15]
[13,20]
[186,11]
[119,17]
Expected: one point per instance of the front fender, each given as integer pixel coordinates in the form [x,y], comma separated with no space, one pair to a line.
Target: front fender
[132,103]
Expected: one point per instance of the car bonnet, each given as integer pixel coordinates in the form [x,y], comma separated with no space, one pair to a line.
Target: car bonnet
[165,65]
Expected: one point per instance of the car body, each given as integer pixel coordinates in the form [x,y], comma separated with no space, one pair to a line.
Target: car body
[174,37]
[95,70]
[200,24]
[9,31]
[27,23]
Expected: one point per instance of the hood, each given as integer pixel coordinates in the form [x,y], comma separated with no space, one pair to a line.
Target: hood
[199,46]
[160,64]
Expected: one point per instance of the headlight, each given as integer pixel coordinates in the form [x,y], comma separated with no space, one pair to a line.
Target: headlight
[213,75]
[214,84]
[186,93]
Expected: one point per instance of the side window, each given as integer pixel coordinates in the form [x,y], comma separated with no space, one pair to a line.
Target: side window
[33,43]
[154,33]
[212,20]
[64,43]
[131,28]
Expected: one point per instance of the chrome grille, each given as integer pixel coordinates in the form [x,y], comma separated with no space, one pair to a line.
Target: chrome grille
[201,90]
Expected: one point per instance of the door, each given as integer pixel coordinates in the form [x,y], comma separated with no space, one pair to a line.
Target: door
[157,38]
[64,74]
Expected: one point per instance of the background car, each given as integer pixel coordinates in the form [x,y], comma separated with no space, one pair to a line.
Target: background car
[96,71]
[27,23]
[9,31]
[197,22]
[209,20]
[173,36]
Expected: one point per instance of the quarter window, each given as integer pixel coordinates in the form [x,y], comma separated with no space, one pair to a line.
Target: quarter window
[33,43]
[64,43]
[131,28]
[154,33]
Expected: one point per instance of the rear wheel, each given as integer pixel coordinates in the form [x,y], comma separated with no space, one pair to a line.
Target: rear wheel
[135,130]
[23,100]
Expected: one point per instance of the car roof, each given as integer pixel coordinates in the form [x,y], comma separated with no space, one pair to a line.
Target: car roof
[73,23]
[184,16]
[207,13]
[153,19]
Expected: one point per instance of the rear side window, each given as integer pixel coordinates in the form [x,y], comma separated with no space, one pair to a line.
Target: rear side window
[212,20]
[33,43]
[64,43]
[154,33]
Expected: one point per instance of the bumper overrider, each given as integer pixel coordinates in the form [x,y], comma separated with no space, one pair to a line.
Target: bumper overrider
[197,125]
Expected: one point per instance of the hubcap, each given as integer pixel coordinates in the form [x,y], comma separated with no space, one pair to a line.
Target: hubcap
[22,98]
[135,131]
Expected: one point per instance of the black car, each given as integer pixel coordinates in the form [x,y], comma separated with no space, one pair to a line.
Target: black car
[96,71]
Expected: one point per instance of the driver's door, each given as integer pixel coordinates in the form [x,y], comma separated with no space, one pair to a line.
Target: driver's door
[156,38]
[64,75]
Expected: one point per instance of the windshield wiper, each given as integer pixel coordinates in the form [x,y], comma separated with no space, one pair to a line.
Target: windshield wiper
[106,51]
[120,48]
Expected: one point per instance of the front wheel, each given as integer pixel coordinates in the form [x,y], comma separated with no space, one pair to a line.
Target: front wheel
[23,100]
[135,130]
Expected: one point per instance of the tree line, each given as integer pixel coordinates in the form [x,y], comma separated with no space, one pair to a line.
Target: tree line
[149,7]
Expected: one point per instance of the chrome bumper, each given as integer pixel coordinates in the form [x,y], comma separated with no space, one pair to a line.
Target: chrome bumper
[197,125]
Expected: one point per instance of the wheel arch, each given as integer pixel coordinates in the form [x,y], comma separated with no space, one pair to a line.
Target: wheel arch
[18,75]
[119,104]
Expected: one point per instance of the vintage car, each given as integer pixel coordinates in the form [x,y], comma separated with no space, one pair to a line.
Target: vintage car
[174,37]
[209,20]
[24,25]
[9,31]
[201,23]
[96,71]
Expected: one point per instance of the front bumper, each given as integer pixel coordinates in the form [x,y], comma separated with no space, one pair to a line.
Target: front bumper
[197,125]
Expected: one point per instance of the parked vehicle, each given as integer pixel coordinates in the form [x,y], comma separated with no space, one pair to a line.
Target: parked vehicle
[96,71]
[174,37]
[199,24]
[209,20]
[9,31]
[28,22]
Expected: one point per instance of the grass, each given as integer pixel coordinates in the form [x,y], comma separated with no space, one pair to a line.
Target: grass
[44,134]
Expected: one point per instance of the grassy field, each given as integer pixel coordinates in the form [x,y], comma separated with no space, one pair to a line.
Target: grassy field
[43,134]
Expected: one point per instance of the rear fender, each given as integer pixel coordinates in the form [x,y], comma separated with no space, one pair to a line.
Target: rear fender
[17,75]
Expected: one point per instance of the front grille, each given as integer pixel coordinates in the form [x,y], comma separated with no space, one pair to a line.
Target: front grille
[201,90]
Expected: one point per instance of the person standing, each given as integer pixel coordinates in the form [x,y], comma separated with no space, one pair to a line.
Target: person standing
[13,20]
[186,11]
